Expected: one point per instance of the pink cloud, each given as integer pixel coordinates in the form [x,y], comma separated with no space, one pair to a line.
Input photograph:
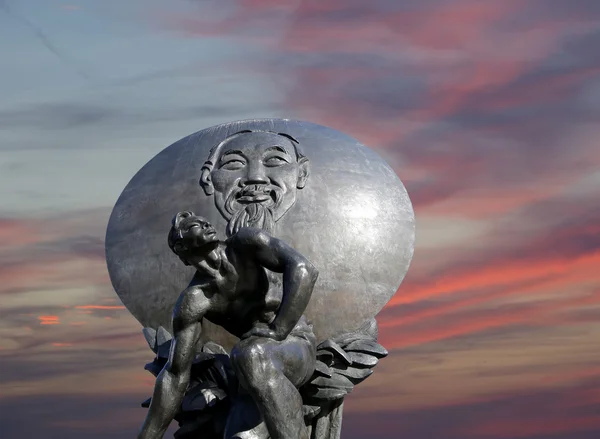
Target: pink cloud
[49,320]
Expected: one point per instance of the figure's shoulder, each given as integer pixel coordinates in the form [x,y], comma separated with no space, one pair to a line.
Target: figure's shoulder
[249,236]
[190,302]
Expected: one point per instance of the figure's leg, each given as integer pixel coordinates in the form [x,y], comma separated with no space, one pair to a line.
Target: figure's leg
[173,380]
[271,372]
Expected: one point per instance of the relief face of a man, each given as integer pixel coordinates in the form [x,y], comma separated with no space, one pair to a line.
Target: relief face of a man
[254,176]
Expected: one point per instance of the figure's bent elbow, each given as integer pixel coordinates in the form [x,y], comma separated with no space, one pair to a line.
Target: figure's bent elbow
[308,271]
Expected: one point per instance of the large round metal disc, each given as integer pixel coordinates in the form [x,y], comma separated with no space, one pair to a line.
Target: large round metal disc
[352,219]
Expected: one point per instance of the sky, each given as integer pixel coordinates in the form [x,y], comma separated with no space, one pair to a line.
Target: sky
[488,111]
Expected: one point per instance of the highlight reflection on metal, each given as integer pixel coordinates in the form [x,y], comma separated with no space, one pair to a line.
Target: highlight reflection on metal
[334,200]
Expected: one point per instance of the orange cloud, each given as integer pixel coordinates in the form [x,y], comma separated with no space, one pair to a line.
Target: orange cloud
[475,204]
[16,233]
[49,320]
[58,273]
[445,309]
[502,274]
[99,307]
[487,319]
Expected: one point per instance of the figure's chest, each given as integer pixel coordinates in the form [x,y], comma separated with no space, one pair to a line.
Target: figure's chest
[249,276]
[252,279]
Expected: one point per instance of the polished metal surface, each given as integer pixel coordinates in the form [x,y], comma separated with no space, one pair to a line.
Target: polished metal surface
[337,202]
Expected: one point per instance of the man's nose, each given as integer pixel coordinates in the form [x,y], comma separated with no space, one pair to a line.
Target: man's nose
[255,174]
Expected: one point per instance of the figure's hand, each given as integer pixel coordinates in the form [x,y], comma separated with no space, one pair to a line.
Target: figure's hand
[265,332]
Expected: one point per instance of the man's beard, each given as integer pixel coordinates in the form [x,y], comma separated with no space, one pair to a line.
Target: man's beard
[259,214]
[252,215]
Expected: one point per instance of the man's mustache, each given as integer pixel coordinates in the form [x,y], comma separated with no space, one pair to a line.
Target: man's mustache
[253,189]
[253,194]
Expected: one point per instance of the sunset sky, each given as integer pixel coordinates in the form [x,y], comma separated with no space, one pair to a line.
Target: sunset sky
[488,110]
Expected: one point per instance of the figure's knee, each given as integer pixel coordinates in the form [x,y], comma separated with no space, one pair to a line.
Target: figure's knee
[250,355]
[254,363]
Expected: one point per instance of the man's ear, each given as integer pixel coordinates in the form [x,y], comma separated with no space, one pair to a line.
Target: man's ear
[206,182]
[303,172]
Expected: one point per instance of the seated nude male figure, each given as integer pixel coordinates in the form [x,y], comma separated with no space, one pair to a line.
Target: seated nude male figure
[276,353]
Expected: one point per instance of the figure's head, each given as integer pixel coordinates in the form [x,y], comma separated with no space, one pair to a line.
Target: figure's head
[191,236]
[254,176]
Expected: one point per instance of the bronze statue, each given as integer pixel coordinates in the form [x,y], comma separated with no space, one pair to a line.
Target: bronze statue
[276,353]
[263,345]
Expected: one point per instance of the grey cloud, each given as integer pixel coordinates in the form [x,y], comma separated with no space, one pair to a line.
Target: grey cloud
[512,146]
[56,116]
[67,116]
[45,40]
[559,227]
[75,234]
[64,362]
[67,416]
[478,418]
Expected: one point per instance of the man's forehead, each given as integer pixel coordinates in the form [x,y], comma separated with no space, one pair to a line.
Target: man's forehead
[258,141]
[194,218]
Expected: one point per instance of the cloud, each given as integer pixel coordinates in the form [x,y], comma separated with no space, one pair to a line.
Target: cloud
[70,416]
[478,107]
[56,116]
[477,100]
[487,112]
[535,267]
[45,40]
[467,322]
[81,115]
[75,235]
[67,7]
[55,252]
[543,240]
[91,358]
[526,415]
[53,279]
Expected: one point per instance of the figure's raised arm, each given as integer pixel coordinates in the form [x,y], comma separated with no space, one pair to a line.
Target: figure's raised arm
[173,380]
[299,275]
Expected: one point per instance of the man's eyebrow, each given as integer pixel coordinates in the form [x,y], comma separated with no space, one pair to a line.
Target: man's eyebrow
[231,152]
[277,148]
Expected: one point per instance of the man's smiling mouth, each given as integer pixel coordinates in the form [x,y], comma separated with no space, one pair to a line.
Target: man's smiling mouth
[255,194]
[258,198]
